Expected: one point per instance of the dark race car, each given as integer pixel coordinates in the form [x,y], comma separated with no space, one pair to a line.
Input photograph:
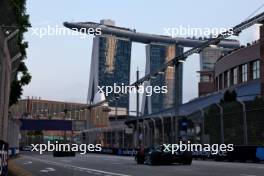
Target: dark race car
[157,155]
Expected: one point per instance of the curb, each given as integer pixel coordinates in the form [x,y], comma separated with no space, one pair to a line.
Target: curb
[15,170]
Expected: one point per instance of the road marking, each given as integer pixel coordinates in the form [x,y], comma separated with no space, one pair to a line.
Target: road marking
[76,167]
[116,163]
[29,162]
[48,169]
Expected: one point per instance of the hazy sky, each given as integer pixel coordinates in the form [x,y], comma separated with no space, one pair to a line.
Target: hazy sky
[60,65]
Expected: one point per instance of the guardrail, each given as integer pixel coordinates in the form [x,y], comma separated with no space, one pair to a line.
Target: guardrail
[240,153]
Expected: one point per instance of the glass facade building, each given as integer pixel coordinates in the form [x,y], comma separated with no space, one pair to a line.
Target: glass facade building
[111,58]
[158,54]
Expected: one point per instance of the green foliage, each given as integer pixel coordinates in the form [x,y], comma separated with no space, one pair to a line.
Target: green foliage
[229,96]
[233,122]
[22,20]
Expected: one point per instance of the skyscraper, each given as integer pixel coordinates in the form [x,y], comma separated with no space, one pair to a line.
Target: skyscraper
[158,54]
[112,52]
[110,64]
[208,58]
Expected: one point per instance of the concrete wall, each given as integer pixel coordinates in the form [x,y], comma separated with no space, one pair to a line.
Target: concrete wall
[5,79]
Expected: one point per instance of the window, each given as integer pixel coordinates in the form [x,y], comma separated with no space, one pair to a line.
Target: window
[256,70]
[234,76]
[205,78]
[244,73]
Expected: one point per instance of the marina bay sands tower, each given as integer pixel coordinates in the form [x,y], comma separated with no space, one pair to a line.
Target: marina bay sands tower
[111,58]
[158,54]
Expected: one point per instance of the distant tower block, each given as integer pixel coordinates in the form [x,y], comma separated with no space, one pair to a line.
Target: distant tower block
[208,58]
[110,64]
[156,55]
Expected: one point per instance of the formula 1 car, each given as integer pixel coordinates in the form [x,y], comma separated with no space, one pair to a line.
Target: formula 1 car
[157,155]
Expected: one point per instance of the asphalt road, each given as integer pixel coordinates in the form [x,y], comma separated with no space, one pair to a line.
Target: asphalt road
[108,165]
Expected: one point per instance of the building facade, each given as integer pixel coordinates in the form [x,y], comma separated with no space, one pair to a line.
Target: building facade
[158,54]
[81,115]
[208,58]
[241,67]
[110,64]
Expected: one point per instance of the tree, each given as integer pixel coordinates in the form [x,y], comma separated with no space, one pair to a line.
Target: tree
[22,20]
[229,96]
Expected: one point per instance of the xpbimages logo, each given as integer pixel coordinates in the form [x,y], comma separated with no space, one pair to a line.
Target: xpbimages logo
[82,148]
[49,30]
[117,89]
[213,149]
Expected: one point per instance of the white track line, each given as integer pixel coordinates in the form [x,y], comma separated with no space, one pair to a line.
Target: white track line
[75,167]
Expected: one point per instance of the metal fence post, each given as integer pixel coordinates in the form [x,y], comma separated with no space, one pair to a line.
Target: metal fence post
[162,128]
[172,129]
[244,122]
[154,129]
[202,115]
[221,122]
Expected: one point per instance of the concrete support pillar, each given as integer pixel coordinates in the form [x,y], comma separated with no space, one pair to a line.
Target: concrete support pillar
[202,127]
[147,137]
[154,130]
[176,130]
[135,137]
[172,129]
[162,129]
[111,138]
[123,138]
[143,131]
[5,81]
[105,137]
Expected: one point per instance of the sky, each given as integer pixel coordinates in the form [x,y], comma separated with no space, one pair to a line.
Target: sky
[60,64]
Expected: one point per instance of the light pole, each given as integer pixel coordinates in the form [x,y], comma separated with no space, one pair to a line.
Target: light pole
[176,97]
[137,111]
